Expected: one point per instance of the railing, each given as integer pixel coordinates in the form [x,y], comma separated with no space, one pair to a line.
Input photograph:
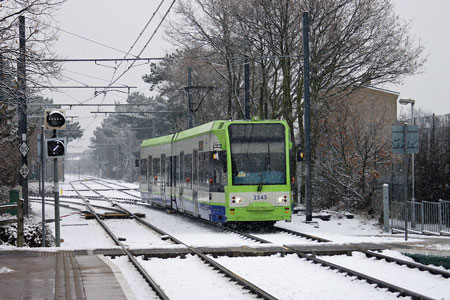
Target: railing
[422,217]
[18,220]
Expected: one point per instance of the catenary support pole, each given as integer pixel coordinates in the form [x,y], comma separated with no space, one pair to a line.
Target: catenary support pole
[43,185]
[247,89]
[405,187]
[190,97]
[413,175]
[56,197]
[306,87]
[386,207]
[21,80]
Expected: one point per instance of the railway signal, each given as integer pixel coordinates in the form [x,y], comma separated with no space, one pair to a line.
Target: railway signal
[55,119]
[56,147]
[300,155]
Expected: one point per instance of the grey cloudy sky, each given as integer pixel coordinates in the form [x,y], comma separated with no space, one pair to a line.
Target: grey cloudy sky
[431,25]
[118,24]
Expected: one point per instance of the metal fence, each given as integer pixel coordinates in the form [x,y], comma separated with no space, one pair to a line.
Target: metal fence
[18,220]
[422,217]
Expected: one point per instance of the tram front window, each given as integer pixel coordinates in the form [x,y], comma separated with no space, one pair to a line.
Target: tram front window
[258,154]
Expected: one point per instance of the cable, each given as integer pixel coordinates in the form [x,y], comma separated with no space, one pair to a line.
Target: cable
[88,39]
[90,76]
[139,36]
[148,41]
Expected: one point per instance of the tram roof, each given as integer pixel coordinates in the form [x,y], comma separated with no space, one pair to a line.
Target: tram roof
[167,139]
[196,131]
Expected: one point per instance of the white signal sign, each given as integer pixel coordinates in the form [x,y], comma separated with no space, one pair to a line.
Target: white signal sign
[24,148]
[24,171]
[55,119]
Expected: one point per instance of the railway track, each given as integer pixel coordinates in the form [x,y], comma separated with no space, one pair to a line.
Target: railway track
[214,265]
[371,280]
[154,286]
[288,249]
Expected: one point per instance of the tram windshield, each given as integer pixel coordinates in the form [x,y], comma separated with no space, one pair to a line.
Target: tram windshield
[258,154]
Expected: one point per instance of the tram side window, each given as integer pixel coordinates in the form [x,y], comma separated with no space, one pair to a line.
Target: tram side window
[163,168]
[144,168]
[149,170]
[195,166]
[181,173]
[188,169]
[169,170]
[204,167]
[156,169]
[219,167]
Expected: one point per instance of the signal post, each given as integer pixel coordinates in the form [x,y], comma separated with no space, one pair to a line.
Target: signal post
[55,119]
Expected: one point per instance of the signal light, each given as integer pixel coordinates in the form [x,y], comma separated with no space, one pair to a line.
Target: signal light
[300,155]
[55,119]
[55,147]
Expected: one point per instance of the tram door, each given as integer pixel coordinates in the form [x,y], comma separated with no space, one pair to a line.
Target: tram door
[171,178]
[150,177]
[195,181]
[163,178]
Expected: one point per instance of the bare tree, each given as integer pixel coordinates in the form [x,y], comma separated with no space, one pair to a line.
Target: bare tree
[39,36]
[353,44]
[353,150]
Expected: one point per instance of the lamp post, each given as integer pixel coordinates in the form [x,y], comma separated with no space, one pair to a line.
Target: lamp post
[413,199]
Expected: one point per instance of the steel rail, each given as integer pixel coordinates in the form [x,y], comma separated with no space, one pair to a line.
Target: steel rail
[215,265]
[50,201]
[301,234]
[368,253]
[107,182]
[223,228]
[39,200]
[409,264]
[156,288]
[120,190]
[380,283]
[247,235]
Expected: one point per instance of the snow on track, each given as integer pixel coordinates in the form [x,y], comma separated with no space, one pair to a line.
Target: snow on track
[420,282]
[293,278]
[189,231]
[75,230]
[190,278]
[135,281]
[137,236]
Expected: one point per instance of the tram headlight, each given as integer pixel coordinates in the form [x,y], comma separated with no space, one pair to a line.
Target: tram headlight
[282,199]
[237,200]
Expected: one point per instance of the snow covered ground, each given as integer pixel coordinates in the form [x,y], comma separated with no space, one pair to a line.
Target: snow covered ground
[286,277]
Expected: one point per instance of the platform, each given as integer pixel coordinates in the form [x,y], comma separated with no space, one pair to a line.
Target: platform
[59,275]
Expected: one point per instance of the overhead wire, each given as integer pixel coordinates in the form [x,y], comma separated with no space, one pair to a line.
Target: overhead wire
[145,46]
[90,40]
[112,81]
[139,36]
[148,41]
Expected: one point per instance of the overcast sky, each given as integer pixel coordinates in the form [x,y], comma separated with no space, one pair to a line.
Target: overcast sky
[118,24]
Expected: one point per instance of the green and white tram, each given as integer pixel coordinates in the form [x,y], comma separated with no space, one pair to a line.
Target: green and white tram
[223,171]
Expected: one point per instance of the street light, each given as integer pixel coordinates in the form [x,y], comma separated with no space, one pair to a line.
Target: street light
[413,199]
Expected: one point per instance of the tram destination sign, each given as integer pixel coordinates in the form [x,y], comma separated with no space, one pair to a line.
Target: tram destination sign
[398,139]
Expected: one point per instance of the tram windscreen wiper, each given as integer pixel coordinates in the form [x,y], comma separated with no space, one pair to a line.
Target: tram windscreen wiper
[266,166]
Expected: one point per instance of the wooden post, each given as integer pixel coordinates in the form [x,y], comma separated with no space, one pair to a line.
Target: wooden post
[20,223]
